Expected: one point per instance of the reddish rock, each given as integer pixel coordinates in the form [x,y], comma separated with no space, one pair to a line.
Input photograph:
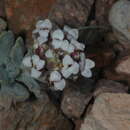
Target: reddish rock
[109,86]
[109,112]
[71,12]
[35,115]
[102,10]
[23,14]
[74,100]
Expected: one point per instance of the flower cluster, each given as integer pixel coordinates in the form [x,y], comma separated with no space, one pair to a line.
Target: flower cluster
[58,52]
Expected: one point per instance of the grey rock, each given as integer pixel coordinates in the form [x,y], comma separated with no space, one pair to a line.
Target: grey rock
[119,20]
[109,112]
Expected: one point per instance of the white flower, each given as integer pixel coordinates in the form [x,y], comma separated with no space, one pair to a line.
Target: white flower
[71,48]
[57,44]
[87,73]
[75,68]
[67,60]
[82,61]
[60,85]
[27,61]
[78,45]
[55,76]
[35,59]
[42,40]
[49,53]
[89,64]
[66,72]
[58,34]
[44,33]
[65,45]
[35,46]
[44,24]
[71,33]
[40,64]
[35,73]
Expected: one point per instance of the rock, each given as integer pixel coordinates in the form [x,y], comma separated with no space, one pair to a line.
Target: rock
[22,15]
[109,86]
[76,97]
[34,115]
[119,20]
[102,58]
[109,112]
[123,65]
[102,10]
[3,25]
[2,8]
[71,12]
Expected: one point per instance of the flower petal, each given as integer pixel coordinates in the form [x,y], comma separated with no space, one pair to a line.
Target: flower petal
[89,64]
[27,61]
[44,33]
[35,59]
[58,34]
[87,73]
[55,76]
[78,45]
[40,64]
[60,85]
[82,61]
[65,45]
[49,53]
[44,24]
[35,73]
[66,72]
[42,40]
[67,60]
[57,43]
[75,68]
[70,48]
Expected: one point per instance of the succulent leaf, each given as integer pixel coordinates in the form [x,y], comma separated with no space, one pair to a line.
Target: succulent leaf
[17,52]
[15,91]
[32,85]
[6,43]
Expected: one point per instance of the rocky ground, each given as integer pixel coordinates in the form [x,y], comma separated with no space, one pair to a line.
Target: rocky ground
[99,103]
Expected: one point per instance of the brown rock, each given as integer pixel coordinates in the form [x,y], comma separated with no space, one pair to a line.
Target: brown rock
[72,12]
[35,115]
[23,14]
[123,65]
[102,10]
[76,98]
[109,86]
[109,112]
[2,8]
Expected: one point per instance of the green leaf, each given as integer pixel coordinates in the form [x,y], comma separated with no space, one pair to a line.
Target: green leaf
[16,91]
[6,43]
[32,85]
[17,52]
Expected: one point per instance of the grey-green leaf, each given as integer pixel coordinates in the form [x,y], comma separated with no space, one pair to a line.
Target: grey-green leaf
[6,43]
[15,91]
[32,85]
[17,52]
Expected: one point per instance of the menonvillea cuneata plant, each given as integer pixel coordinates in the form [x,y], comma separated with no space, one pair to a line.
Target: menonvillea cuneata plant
[15,83]
[57,55]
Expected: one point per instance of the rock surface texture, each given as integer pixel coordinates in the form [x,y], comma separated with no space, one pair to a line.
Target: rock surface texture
[109,112]
[102,10]
[22,15]
[72,12]
[119,19]
[36,115]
